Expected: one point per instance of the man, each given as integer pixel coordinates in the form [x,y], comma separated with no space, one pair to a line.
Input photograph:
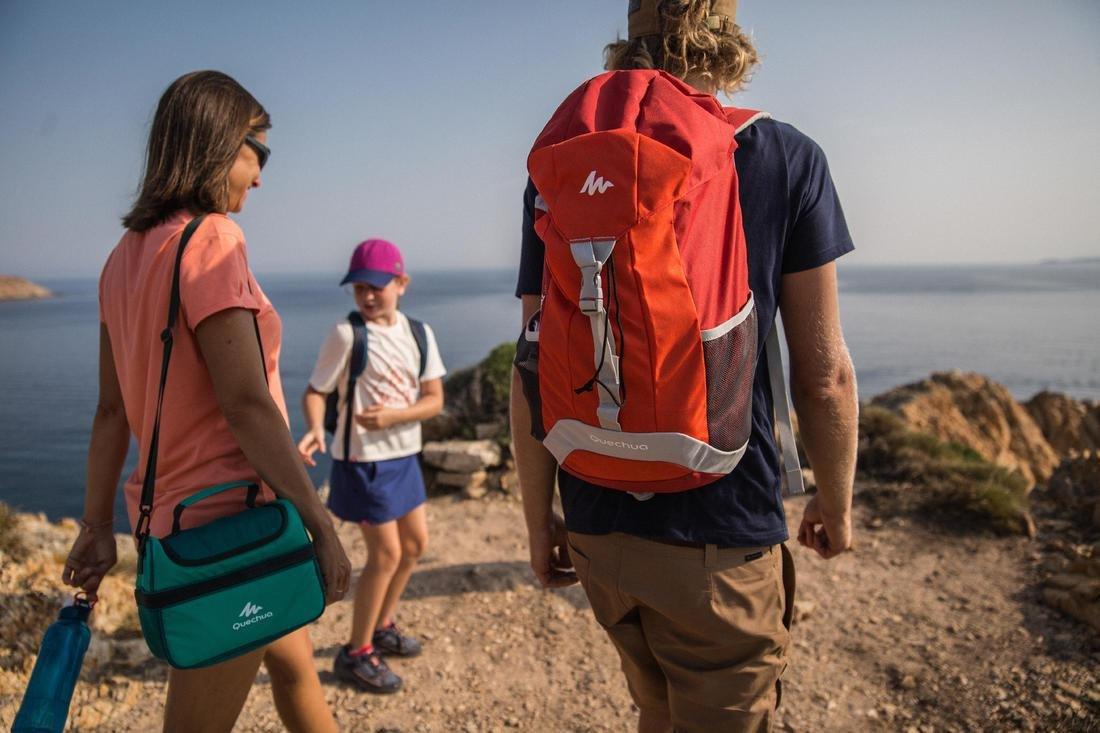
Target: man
[694,588]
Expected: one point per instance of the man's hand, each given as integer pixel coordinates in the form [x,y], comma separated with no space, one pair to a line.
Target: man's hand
[378,417]
[310,443]
[827,536]
[550,554]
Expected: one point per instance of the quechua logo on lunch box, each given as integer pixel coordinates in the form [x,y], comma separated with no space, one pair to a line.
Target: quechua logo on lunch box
[251,614]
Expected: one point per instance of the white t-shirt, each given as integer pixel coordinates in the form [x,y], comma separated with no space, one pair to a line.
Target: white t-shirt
[391,378]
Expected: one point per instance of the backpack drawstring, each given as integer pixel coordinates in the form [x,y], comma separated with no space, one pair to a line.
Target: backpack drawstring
[613,291]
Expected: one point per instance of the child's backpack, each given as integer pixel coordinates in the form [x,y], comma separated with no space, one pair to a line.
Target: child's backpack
[639,365]
[357,362]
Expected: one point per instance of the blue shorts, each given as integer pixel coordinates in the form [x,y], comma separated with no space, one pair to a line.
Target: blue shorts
[375,492]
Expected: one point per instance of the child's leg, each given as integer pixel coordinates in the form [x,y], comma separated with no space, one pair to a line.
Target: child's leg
[412,530]
[210,698]
[383,558]
[295,685]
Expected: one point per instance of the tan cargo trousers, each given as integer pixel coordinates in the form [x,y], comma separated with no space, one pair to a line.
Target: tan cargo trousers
[702,631]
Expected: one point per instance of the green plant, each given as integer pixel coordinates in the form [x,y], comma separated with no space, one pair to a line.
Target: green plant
[949,478]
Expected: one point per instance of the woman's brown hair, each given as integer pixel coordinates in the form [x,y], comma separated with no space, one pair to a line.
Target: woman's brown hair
[200,124]
[688,46]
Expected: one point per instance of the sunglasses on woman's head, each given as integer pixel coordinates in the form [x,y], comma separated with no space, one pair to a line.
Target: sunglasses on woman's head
[262,151]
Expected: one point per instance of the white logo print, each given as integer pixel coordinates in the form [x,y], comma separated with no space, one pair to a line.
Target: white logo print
[250,609]
[618,443]
[252,615]
[595,184]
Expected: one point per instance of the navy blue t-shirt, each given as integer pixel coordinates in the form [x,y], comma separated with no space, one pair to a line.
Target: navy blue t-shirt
[793,222]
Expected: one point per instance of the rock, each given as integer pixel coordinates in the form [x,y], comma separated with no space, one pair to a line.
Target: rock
[475,491]
[1075,486]
[802,611]
[509,482]
[978,413]
[105,653]
[1076,591]
[461,480]
[479,395]
[1072,427]
[444,426]
[16,288]
[488,430]
[462,456]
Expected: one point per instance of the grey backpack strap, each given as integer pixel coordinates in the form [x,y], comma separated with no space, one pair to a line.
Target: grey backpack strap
[790,469]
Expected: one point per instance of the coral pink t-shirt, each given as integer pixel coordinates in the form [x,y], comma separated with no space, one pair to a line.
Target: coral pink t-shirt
[197,449]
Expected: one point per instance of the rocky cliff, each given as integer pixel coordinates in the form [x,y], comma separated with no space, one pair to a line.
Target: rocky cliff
[974,411]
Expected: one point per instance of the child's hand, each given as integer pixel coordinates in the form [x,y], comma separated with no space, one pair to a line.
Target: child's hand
[378,417]
[310,443]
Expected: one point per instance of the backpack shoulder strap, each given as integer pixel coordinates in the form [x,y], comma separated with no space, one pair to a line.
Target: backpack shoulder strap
[742,118]
[357,362]
[420,335]
[790,470]
[358,358]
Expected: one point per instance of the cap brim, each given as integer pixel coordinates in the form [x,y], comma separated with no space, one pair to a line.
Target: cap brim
[374,278]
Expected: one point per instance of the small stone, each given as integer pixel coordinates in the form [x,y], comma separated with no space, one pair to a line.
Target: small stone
[509,482]
[803,610]
[908,682]
[475,491]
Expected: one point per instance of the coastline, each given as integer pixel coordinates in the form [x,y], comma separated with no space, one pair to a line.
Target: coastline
[940,576]
[17,288]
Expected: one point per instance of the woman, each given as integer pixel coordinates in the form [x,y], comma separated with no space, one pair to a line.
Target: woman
[224,416]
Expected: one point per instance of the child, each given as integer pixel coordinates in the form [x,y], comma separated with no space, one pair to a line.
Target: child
[376,480]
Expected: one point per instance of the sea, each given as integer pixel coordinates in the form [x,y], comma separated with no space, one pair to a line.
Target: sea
[1030,327]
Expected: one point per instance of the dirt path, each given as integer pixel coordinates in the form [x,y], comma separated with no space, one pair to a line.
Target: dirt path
[914,630]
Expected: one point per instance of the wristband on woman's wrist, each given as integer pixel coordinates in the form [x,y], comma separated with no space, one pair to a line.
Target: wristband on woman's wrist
[96,526]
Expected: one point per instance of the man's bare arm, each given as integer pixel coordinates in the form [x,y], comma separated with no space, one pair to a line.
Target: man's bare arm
[537,471]
[823,387]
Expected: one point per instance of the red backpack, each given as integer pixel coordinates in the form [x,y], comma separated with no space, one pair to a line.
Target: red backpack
[639,365]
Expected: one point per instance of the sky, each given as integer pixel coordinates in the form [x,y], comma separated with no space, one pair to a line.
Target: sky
[955,132]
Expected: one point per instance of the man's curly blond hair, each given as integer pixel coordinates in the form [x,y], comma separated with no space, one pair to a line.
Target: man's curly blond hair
[688,47]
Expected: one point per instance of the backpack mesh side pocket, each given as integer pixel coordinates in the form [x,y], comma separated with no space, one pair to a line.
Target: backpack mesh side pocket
[729,356]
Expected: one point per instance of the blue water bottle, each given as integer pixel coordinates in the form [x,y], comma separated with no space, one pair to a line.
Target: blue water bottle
[46,701]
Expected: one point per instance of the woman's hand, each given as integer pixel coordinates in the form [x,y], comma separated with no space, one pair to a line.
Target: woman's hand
[310,443]
[335,567]
[92,556]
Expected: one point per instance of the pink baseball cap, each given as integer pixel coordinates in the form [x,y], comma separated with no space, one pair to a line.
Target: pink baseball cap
[375,262]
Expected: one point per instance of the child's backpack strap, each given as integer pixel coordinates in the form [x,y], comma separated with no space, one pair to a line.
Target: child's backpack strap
[420,335]
[357,363]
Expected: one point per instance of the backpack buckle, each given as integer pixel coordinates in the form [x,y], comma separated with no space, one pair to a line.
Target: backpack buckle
[591,255]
